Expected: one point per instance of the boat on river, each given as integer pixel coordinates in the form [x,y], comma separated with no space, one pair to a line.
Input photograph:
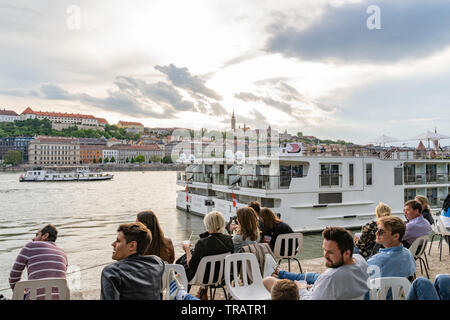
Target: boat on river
[313,188]
[59,174]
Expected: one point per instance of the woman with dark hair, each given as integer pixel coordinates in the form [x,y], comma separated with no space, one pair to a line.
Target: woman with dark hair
[160,245]
[247,231]
[273,226]
[426,209]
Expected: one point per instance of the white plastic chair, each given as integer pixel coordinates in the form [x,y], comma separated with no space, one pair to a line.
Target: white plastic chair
[178,269]
[417,254]
[379,288]
[244,290]
[442,232]
[210,282]
[289,240]
[46,284]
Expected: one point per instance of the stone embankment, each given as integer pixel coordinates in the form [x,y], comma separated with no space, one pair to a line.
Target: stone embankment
[156,166]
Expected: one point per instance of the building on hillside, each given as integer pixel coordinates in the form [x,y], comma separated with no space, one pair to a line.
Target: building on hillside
[102,122]
[131,127]
[132,151]
[111,154]
[16,144]
[91,153]
[8,115]
[54,151]
[61,120]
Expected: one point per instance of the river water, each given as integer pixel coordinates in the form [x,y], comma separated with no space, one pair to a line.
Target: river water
[87,215]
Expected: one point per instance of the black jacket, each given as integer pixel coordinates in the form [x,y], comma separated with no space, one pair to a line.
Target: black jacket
[133,278]
[280,228]
[215,243]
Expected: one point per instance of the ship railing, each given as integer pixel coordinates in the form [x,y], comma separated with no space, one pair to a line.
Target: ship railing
[393,154]
[423,178]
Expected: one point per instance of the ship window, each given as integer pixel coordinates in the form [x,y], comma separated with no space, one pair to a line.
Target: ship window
[330,197]
[368,174]
[351,174]
[398,176]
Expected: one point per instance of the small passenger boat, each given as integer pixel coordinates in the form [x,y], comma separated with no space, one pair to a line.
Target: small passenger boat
[56,174]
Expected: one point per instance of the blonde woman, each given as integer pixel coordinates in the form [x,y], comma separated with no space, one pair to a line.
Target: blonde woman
[215,243]
[365,244]
[426,210]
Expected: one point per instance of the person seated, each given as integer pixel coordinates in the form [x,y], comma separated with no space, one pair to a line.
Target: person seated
[285,289]
[365,243]
[160,245]
[42,258]
[445,216]
[282,290]
[134,276]
[417,226]
[345,278]
[426,209]
[216,242]
[255,205]
[247,231]
[424,289]
[273,227]
[393,260]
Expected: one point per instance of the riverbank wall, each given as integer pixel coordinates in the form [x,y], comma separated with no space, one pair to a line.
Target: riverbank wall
[156,166]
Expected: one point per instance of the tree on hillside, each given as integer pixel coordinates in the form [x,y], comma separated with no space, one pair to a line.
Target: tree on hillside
[13,157]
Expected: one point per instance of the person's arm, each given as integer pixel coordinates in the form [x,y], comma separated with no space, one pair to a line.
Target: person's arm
[110,285]
[19,265]
[323,289]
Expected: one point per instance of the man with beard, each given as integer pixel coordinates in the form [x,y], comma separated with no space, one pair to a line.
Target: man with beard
[345,278]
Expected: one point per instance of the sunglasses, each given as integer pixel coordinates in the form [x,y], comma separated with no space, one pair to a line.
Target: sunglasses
[380,231]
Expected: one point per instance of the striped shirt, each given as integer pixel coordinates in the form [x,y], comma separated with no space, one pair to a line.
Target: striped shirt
[43,259]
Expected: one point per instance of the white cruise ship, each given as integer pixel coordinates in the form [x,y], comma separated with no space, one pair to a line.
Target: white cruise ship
[311,189]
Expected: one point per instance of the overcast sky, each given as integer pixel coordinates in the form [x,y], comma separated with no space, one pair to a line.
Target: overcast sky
[333,69]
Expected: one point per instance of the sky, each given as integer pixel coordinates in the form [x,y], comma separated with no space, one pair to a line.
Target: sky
[336,69]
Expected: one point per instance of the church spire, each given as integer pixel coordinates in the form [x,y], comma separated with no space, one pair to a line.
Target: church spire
[233,121]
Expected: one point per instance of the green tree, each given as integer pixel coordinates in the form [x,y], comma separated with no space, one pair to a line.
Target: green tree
[112,159]
[167,159]
[13,157]
[127,160]
[132,160]
[106,160]
[140,158]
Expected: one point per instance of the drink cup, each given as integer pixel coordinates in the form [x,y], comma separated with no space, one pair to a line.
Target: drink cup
[267,239]
[186,242]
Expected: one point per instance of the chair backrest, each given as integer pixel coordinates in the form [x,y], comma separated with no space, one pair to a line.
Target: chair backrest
[249,269]
[421,244]
[40,285]
[292,244]
[178,269]
[213,262]
[379,287]
[441,227]
[259,250]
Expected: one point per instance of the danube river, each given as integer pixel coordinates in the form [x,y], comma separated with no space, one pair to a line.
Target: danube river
[87,215]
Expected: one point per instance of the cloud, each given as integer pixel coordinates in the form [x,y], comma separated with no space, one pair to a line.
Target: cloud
[182,78]
[136,97]
[409,29]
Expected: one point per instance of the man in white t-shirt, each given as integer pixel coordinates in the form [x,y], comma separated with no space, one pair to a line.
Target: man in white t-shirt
[345,278]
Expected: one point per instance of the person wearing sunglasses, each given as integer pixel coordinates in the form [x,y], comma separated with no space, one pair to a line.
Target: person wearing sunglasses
[393,260]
